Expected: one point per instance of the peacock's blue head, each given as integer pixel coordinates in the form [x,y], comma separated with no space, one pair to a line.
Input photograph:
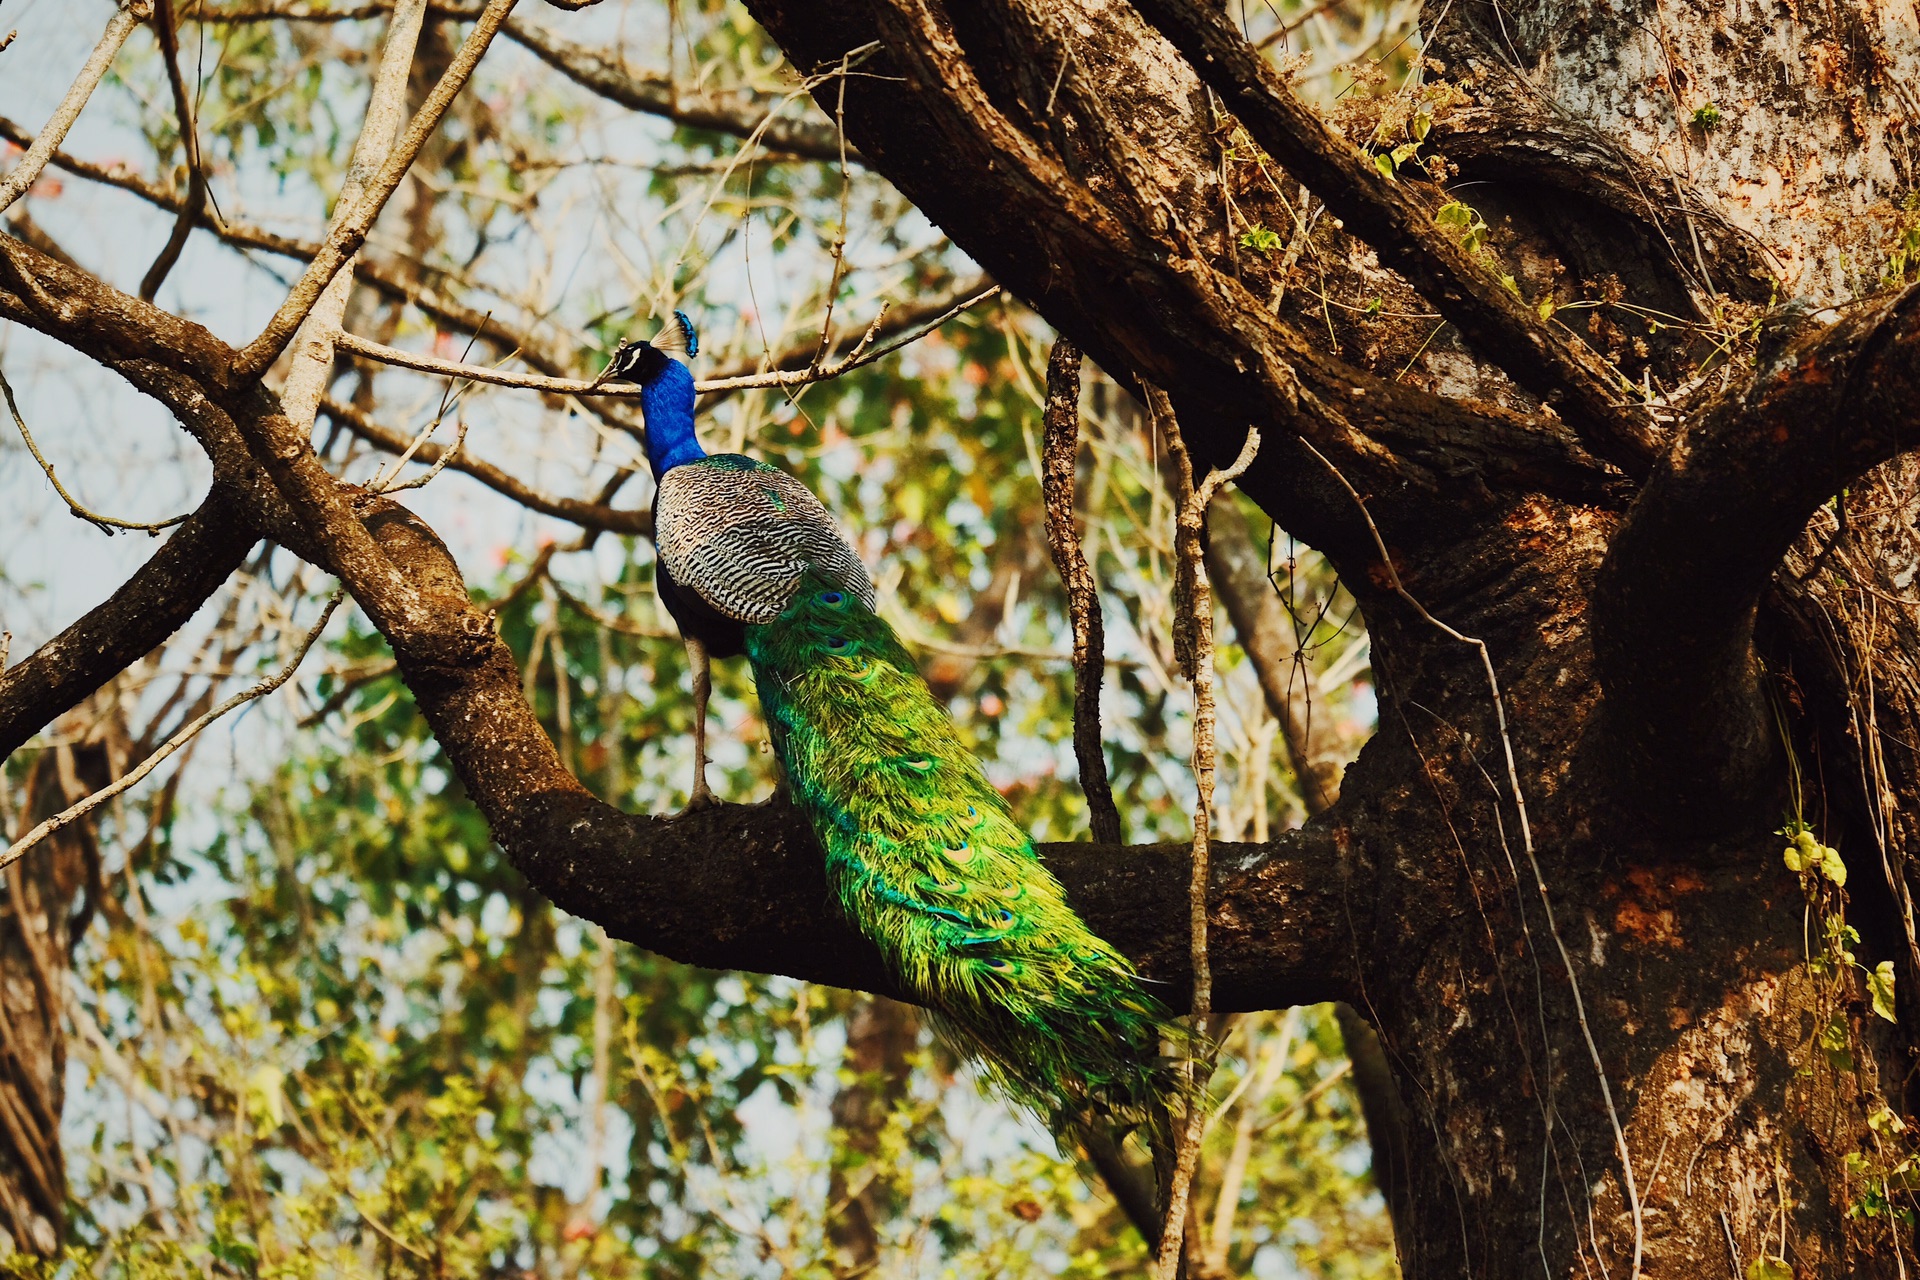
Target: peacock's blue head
[666,391]
[643,362]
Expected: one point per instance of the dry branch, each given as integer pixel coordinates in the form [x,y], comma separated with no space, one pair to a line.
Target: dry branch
[1083,594]
[119,27]
[859,357]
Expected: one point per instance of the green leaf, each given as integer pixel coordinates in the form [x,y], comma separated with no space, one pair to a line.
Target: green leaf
[1260,239]
[1880,987]
[1384,163]
[1769,1267]
[1831,867]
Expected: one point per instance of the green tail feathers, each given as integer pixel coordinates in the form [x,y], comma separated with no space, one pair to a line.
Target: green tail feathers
[926,859]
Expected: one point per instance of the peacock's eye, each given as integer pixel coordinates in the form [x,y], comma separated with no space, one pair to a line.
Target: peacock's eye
[831,597]
[837,642]
[1000,966]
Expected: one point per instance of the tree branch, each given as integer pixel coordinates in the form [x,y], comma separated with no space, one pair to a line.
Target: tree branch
[588,515]
[1495,321]
[353,220]
[593,387]
[167,30]
[740,115]
[150,606]
[1511,131]
[1676,598]
[1062,420]
[119,27]
[1123,271]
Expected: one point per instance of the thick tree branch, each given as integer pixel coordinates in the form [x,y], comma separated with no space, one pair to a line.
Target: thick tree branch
[1502,328]
[150,606]
[1513,132]
[1143,293]
[1677,595]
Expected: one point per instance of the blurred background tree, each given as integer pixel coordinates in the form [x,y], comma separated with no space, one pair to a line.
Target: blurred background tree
[313,1023]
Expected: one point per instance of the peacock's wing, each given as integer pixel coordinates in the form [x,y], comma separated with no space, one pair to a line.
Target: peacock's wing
[741,535]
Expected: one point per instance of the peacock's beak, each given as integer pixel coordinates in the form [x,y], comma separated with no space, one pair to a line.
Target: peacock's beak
[615,366]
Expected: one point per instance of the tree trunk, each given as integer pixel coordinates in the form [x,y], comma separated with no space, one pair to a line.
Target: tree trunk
[1587,962]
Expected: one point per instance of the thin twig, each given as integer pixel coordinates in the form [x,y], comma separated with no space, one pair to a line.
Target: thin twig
[73,813]
[106,524]
[55,131]
[1083,595]
[1194,641]
[372,350]
[167,30]
[1526,841]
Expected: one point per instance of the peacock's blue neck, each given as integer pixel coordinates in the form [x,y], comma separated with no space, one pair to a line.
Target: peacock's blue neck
[667,403]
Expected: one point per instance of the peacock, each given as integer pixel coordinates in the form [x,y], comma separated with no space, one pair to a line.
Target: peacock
[923,855]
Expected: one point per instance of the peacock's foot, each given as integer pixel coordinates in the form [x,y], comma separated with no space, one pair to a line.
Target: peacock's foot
[700,799]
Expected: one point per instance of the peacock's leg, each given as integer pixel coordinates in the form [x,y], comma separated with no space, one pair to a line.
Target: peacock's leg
[700,797]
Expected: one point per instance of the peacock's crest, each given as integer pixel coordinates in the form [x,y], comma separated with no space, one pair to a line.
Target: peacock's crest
[679,338]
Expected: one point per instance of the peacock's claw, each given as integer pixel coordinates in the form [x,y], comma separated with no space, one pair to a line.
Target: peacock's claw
[700,799]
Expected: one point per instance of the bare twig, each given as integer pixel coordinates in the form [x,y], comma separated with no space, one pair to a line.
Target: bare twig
[55,131]
[580,511]
[1526,841]
[587,386]
[1083,595]
[168,31]
[106,524]
[1195,643]
[352,220]
[74,813]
